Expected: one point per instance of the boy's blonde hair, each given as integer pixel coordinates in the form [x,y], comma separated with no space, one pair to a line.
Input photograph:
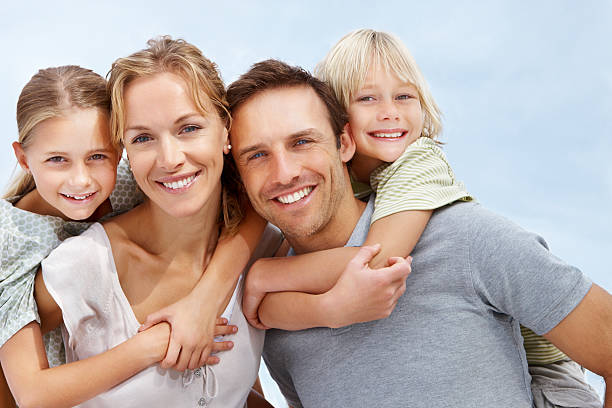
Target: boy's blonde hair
[346,66]
[166,55]
[49,94]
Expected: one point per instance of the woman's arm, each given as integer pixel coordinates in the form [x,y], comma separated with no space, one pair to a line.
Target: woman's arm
[328,301]
[193,318]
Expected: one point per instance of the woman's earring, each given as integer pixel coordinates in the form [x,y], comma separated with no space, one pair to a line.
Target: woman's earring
[227,148]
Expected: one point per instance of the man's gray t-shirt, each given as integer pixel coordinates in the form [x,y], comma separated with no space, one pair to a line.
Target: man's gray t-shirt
[453,339]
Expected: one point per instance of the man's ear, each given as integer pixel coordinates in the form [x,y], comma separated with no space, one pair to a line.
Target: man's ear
[347,144]
[21,156]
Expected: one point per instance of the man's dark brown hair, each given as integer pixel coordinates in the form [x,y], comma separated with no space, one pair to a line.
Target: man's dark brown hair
[273,74]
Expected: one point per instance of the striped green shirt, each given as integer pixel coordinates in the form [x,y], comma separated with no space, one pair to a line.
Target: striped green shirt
[422,179]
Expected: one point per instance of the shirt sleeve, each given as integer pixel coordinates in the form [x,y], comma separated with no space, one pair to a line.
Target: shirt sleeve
[76,275]
[420,179]
[514,273]
[126,194]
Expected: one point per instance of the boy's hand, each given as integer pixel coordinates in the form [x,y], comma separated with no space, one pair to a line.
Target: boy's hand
[363,294]
[194,326]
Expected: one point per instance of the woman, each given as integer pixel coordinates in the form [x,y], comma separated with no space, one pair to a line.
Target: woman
[169,110]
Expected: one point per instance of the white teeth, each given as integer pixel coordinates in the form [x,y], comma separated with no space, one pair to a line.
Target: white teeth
[79,197]
[292,198]
[179,184]
[389,135]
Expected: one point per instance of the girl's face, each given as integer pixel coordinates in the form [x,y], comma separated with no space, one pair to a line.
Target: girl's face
[72,161]
[385,116]
[175,152]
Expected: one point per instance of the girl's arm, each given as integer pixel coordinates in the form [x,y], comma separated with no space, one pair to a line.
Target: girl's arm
[326,303]
[34,384]
[193,318]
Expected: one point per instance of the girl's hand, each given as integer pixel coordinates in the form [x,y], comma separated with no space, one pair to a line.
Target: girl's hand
[194,328]
[363,294]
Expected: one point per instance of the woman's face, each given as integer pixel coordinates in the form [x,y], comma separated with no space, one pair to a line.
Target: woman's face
[175,152]
[72,161]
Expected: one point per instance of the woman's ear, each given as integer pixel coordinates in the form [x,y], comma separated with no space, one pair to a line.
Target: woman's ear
[347,144]
[21,156]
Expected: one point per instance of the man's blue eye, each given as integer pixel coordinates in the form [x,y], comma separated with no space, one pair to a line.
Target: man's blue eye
[256,155]
[301,142]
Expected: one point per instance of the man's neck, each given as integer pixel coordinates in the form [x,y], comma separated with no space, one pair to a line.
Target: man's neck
[337,231]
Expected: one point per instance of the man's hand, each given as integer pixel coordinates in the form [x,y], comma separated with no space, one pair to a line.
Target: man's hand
[194,325]
[363,294]
[251,299]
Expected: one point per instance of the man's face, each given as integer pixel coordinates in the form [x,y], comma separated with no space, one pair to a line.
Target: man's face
[287,157]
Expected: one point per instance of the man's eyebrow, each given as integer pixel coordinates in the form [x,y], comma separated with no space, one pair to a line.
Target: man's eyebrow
[249,149]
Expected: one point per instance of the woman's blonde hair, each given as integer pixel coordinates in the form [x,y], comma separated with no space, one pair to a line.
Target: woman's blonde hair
[204,83]
[346,66]
[49,94]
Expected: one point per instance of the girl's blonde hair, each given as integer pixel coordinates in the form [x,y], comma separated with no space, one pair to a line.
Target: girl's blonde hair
[166,55]
[49,94]
[346,66]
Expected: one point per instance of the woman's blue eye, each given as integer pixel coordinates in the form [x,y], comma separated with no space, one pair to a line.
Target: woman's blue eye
[98,156]
[141,139]
[190,128]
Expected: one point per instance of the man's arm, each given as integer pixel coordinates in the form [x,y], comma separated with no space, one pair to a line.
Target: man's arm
[585,335]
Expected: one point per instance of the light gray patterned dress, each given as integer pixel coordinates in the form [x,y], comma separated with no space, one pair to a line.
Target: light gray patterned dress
[25,240]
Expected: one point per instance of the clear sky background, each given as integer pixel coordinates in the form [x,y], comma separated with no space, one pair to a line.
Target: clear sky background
[525,87]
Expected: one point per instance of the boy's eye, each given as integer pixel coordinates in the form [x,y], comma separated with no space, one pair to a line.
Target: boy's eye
[141,139]
[189,129]
[56,159]
[365,98]
[405,96]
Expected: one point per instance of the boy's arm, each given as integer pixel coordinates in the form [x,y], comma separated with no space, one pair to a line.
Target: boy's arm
[585,335]
[193,318]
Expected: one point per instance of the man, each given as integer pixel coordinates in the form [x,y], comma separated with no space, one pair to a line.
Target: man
[453,339]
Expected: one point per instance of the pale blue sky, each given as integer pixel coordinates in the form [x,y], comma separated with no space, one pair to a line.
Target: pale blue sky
[525,87]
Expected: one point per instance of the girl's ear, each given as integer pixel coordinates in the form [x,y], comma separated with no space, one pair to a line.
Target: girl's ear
[21,156]
[347,144]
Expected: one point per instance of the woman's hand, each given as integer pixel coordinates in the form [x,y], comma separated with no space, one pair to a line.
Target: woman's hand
[363,294]
[194,326]
[252,297]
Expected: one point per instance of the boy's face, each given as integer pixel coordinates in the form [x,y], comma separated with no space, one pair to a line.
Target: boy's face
[385,116]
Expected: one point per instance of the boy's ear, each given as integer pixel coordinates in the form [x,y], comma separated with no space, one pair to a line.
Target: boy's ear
[21,156]
[347,144]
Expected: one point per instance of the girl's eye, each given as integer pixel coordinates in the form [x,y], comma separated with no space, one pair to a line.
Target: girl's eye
[141,139]
[190,128]
[97,156]
[56,159]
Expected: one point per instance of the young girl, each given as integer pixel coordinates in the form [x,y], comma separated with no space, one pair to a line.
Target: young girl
[394,121]
[70,168]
